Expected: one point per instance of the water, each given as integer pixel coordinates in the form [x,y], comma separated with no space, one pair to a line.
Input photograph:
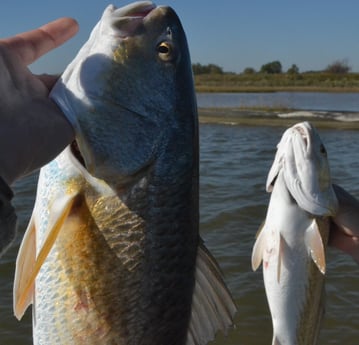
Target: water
[312,101]
[234,165]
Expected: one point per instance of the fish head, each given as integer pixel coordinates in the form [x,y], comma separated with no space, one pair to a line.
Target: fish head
[303,158]
[129,90]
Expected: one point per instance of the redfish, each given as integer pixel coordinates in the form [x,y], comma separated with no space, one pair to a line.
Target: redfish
[293,238]
[112,254]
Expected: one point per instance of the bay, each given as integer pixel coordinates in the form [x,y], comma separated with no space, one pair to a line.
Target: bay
[312,101]
[234,163]
[233,205]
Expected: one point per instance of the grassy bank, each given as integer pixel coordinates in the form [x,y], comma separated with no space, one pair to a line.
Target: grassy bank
[258,117]
[258,82]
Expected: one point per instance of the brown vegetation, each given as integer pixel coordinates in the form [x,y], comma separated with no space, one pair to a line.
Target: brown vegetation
[335,78]
[258,82]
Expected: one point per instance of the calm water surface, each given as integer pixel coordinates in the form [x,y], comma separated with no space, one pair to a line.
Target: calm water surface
[234,165]
[315,101]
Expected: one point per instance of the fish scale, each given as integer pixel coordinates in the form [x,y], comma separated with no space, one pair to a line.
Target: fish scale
[112,254]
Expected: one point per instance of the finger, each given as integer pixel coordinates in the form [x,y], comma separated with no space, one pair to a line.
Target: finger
[33,44]
[345,243]
[347,217]
[48,80]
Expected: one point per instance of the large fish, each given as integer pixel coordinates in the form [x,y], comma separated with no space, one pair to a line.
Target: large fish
[294,235]
[112,254]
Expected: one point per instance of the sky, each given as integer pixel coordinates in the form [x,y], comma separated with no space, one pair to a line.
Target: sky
[234,34]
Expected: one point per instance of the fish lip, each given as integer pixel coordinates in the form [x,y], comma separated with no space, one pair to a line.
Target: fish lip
[304,130]
[135,10]
[126,20]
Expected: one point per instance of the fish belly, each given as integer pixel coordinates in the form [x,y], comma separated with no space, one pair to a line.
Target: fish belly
[115,275]
[84,291]
[296,299]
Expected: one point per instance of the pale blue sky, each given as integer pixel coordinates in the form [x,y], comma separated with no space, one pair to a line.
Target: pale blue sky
[234,34]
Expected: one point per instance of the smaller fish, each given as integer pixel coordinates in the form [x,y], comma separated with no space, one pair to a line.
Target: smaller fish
[293,238]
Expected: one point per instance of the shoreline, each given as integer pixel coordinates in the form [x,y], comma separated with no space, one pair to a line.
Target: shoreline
[267,117]
[280,82]
[273,89]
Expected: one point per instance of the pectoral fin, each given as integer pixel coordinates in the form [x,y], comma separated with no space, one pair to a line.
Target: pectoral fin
[24,264]
[27,264]
[275,341]
[212,305]
[314,243]
[258,248]
[261,246]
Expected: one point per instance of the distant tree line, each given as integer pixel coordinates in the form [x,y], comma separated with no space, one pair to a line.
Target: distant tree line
[273,67]
[206,69]
[339,67]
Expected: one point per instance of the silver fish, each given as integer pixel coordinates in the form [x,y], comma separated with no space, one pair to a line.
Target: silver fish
[293,238]
[112,253]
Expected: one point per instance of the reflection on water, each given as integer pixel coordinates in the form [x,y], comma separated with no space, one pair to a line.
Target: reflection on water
[234,165]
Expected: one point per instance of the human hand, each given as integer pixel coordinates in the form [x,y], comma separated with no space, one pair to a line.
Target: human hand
[344,229]
[33,129]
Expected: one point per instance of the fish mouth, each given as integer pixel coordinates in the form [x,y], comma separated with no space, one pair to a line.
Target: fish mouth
[304,130]
[136,9]
[127,19]
[302,133]
[77,153]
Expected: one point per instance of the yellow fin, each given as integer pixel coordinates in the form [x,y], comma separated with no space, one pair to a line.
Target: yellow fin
[24,263]
[314,243]
[258,248]
[27,264]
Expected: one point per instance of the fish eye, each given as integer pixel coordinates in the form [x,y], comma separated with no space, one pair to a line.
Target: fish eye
[165,51]
[164,48]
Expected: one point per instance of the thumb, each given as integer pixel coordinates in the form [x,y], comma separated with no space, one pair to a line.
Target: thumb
[48,80]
